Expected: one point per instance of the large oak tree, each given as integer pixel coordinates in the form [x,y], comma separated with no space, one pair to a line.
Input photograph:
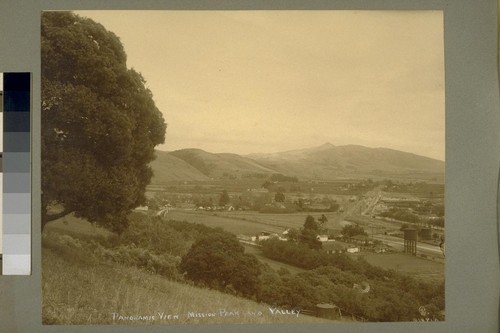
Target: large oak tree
[99,124]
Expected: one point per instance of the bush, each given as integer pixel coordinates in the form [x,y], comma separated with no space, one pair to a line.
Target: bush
[218,260]
[129,255]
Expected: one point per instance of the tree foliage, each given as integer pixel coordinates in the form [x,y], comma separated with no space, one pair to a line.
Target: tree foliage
[309,233]
[322,220]
[311,224]
[279,197]
[218,261]
[99,124]
[330,278]
[224,198]
[351,230]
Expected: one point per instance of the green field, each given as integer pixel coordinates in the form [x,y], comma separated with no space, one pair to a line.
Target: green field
[249,223]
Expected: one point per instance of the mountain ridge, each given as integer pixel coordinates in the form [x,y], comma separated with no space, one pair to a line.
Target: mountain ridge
[326,162]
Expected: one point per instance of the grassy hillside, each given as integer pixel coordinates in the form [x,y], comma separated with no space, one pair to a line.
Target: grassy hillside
[80,287]
[167,167]
[218,165]
[329,161]
[88,293]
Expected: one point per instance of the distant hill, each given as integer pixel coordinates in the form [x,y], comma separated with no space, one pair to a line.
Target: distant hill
[167,167]
[218,165]
[326,162]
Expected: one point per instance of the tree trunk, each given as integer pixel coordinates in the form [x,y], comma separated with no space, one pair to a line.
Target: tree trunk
[46,218]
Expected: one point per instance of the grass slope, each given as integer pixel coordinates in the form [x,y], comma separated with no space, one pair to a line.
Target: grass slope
[167,167]
[329,161]
[217,165]
[89,293]
[78,288]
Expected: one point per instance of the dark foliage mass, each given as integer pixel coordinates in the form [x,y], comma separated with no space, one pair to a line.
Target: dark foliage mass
[333,278]
[351,230]
[309,233]
[99,124]
[218,260]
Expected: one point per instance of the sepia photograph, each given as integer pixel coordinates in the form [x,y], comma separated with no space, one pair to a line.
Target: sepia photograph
[242,167]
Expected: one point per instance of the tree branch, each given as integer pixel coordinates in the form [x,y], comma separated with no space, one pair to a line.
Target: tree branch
[46,218]
[56,216]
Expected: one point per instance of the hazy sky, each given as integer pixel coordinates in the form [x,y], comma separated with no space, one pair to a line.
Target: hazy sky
[267,81]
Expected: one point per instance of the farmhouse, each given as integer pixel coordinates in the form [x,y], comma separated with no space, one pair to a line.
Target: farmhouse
[322,238]
[265,235]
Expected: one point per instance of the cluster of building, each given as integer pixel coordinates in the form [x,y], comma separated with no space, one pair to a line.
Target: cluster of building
[354,244]
[333,245]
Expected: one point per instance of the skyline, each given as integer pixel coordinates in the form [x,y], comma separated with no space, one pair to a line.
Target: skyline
[268,81]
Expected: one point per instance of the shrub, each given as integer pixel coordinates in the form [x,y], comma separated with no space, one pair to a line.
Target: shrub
[218,260]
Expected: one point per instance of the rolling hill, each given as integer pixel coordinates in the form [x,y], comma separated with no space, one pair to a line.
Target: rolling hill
[167,167]
[325,162]
[218,165]
[329,162]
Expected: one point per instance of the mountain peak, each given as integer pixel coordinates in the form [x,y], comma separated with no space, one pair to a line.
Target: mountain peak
[326,145]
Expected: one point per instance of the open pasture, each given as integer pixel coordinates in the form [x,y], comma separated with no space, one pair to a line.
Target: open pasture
[216,220]
[241,185]
[249,223]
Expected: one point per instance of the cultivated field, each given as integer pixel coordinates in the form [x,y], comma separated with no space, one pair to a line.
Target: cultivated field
[250,223]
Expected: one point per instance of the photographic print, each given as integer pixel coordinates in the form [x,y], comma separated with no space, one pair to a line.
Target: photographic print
[253,167]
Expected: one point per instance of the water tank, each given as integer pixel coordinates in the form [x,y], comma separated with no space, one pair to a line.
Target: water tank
[411,234]
[426,233]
